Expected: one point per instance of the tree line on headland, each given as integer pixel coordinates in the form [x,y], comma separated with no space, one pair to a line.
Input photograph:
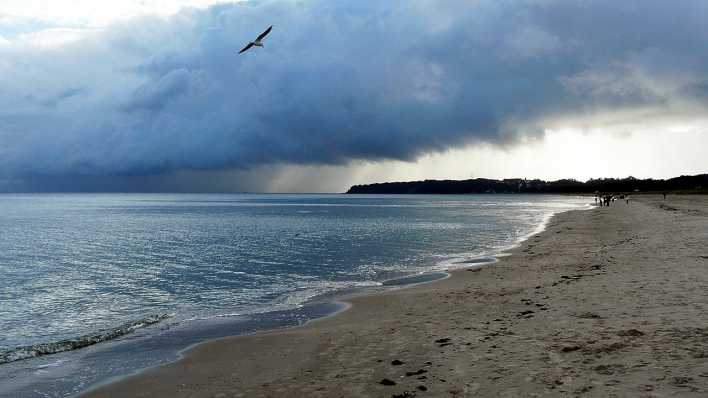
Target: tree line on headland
[683,184]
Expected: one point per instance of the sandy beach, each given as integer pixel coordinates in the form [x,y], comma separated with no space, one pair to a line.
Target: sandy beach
[605,302]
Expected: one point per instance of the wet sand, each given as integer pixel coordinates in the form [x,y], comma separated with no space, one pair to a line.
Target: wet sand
[605,302]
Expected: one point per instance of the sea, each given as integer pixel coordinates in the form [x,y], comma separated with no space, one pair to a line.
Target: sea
[94,287]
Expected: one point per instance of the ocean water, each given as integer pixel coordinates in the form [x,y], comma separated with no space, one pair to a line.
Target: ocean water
[133,278]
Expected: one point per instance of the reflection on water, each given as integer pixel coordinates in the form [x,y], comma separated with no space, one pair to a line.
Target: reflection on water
[76,264]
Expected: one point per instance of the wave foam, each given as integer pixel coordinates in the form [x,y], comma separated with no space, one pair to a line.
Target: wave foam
[36,350]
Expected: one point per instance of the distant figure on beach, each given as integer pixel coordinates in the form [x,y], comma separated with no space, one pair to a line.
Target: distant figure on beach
[664,195]
[627,200]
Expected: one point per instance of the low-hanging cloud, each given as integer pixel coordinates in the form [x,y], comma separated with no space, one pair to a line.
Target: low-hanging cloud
[337,81]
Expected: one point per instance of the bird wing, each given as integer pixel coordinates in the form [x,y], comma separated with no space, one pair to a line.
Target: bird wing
[246,48]
[264,34]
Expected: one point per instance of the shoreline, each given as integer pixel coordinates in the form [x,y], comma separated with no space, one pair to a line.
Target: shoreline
[342,299]
[346,301]
[161,345]
[592,306]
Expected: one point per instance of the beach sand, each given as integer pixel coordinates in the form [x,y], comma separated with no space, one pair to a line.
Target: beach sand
[605,302]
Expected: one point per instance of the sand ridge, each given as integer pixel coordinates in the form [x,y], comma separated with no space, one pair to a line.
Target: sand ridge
[606,302]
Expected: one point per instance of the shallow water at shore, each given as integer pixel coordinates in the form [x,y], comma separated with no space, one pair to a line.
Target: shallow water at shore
[218,265]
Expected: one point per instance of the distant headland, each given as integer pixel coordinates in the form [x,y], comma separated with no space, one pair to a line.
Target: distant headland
[682,184]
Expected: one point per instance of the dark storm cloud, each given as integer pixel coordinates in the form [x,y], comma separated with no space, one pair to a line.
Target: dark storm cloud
[338,81]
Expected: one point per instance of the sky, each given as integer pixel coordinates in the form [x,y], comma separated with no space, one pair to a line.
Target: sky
[153,96]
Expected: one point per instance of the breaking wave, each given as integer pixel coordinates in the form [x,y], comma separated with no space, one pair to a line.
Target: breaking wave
[36,350]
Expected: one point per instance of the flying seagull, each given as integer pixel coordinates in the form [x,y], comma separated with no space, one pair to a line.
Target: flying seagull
[258,42]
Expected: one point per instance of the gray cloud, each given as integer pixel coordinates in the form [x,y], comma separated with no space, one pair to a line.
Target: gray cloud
[337,81]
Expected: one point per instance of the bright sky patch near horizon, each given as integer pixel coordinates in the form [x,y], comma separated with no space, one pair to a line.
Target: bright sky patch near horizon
[150,95]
